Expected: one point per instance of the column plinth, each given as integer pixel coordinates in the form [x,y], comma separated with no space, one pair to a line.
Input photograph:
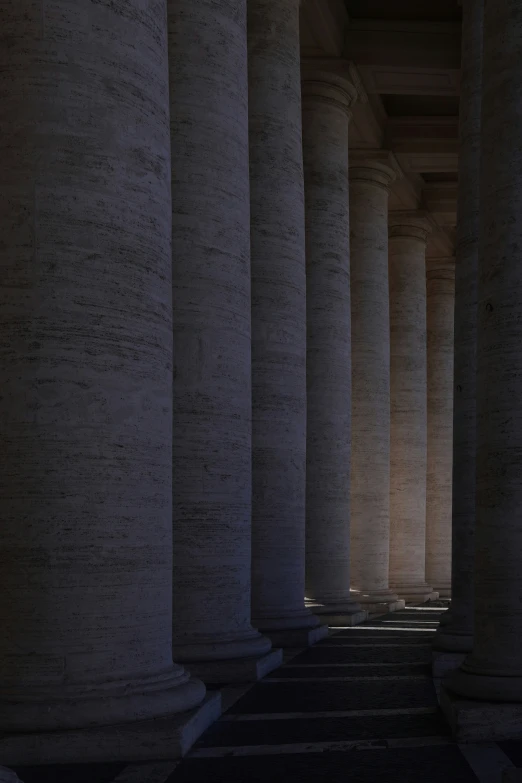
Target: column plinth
[326,110]
[212,481]
[408,234]
[278,325]
[370,179]
[440,287]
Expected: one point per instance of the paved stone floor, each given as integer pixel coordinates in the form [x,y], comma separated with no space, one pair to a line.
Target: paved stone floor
[359,707]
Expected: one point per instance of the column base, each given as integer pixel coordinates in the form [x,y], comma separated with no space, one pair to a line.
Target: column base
[473,682]
[198,648]
[451,641]
[379,601]
[415,594]
[385,608]
[299,629]
[73,706]
[443,663]
[298,637]
[159,739]
[481,721]
[446,618]
[8,776]
[341,620]
[444,591]
[416,601]
[236,669]
[338,614]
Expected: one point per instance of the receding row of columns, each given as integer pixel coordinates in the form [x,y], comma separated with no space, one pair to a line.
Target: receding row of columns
[171,418]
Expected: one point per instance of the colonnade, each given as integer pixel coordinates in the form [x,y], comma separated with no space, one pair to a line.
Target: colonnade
[179,350]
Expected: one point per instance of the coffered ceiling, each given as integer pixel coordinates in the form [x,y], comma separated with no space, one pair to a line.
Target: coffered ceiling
[404,56]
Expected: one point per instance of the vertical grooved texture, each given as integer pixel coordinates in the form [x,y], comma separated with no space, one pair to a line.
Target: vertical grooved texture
[493,671]
[325,152]
[85,367]
[407,271]
[440,287]
[457,634]
[211,300]
[370,479]
[278,316]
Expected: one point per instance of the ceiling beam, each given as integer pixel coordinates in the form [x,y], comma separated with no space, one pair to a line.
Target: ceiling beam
[402,130]
[424,144]
[415,46]
[392,80]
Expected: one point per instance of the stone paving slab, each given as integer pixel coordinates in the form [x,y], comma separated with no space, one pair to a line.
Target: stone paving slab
[380,632]
[428,764]
[512,749]
[377,639]
[320,696]
[267,732]
[364,654]
[70,773]
[347,670]
[305,732]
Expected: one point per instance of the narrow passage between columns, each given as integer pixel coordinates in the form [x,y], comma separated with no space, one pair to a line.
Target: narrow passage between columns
[359,706]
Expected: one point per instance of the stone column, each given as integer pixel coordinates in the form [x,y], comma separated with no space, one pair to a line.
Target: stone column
[326,111]
[440,288]
[212,368]
[457,633]
[85,368]
[493,670]
[408,435]
[278,325]
[370,179]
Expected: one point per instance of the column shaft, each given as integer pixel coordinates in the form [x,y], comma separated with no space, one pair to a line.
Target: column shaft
[85,368]
[212,368]
[326,104]
[493,671]
[457,633]
[408,437]
[370,320]
[278,323]
[440,287]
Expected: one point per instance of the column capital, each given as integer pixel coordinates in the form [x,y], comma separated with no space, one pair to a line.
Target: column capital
[329,88]
[412,224]
[375,167]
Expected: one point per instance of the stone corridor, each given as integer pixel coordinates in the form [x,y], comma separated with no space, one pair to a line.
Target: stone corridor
[261,377]
[359,706]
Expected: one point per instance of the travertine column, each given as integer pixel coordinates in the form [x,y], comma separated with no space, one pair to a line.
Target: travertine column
[440,289]
[326,112]
[85,369]
[278,325]
[370,480]
[493,670]
[212,382]
[457,633]
[408,435]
